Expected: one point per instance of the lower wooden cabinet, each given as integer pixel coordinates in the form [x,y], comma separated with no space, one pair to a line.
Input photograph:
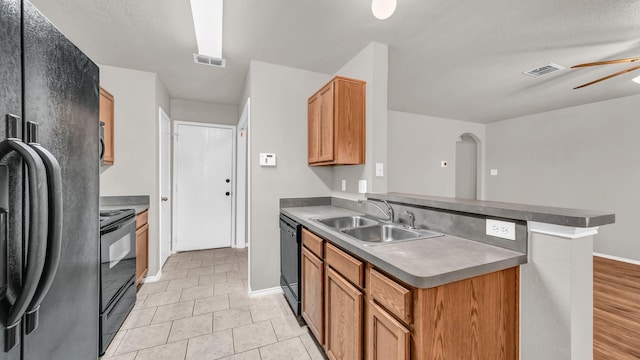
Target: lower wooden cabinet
[387,338]
[142,247]
[475,318]
[344,320]
[313,293]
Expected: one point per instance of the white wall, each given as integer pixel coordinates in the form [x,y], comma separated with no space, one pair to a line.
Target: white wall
[370,65]
[416,145]
[580,157]
[137,96]
[278,125]
[206,112]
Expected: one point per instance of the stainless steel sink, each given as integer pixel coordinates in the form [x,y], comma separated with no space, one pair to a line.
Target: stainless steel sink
[344,222]
[387,233]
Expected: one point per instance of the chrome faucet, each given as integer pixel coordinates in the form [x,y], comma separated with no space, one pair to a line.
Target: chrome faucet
[412,219]
[389,212]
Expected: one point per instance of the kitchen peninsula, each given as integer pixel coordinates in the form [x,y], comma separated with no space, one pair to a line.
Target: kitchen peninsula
[549,261]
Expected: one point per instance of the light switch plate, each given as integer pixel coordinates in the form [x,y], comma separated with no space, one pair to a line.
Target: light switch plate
[362,186]
[501,229]
[379,170]
[267,159]
[494,172]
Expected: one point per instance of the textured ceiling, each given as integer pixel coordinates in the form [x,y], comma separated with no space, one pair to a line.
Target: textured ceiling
[453,59]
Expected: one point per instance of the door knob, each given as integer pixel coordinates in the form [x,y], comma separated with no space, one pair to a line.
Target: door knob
[164,198]
[227,193]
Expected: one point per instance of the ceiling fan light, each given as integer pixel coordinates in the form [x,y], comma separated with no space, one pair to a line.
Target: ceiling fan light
[636,79]
[383,9]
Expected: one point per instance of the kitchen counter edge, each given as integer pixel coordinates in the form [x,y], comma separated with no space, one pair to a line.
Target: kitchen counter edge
[140,203]
[543,214]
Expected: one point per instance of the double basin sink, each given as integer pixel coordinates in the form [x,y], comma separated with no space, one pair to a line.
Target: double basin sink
[374,232]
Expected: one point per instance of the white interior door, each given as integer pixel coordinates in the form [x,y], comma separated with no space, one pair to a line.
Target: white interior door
[203,186]
[165,187]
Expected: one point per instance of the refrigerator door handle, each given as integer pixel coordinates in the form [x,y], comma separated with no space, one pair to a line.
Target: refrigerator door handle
[37,231]
[54,220]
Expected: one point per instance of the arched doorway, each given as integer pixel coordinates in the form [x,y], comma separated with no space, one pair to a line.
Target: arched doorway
[467,151]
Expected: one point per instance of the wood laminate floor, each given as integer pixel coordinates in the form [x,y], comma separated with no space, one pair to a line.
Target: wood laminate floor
[616,310]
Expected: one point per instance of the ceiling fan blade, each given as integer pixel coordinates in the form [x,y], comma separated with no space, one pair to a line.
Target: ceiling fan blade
[608,77]
[607,62]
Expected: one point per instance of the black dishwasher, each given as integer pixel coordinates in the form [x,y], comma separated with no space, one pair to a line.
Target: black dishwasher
[290,248]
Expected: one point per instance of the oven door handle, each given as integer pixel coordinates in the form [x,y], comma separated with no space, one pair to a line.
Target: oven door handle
[54,220]
[37,232]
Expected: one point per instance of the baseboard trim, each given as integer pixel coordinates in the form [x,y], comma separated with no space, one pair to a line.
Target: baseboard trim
[617,258]
[270,291]
[153,278]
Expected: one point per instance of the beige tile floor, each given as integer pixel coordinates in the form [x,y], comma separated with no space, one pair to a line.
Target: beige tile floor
[200,310]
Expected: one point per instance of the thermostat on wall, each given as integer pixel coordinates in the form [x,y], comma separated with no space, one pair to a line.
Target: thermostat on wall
[267,159]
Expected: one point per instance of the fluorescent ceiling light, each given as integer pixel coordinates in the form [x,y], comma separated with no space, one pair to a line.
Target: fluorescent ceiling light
[207,21]
[636,79]
[382,9]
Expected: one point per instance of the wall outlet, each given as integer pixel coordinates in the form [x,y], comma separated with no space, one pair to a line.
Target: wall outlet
[501,229]
[444,163]
[344,185]
[379,169]
[362,186]
[494,172]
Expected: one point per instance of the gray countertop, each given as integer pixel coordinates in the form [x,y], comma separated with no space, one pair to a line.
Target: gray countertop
[543,214]
[421,263]
[138,203]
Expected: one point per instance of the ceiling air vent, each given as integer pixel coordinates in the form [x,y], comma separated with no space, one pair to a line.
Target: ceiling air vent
[544,70]
[208,60]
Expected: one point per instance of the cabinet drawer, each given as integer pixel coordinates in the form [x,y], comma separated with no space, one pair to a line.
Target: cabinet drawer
[142,219]
[391,295]
[312,242]
[349,267]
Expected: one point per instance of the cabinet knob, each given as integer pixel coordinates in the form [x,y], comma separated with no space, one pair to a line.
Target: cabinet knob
[228,180]
[227,193]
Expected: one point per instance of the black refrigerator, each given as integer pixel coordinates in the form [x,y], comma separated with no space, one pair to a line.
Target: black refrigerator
[49,189]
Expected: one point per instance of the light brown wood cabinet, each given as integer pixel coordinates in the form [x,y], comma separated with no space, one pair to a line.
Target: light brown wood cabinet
[142,247]
[387,338]
[475,318]
[343,319]
[337,123]
[313,293]
[107,116]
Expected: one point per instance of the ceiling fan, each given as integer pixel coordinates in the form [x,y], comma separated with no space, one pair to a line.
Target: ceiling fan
[598,63]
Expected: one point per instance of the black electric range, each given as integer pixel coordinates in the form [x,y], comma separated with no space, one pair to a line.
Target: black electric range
[117,271]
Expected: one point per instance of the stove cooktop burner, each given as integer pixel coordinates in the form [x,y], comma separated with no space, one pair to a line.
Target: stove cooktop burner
[108,217]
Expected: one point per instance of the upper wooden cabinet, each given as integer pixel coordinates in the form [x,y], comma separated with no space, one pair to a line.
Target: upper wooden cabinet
[106,116]
[337,118]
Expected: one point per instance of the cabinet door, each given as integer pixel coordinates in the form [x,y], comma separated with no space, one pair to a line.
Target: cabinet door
[343,309]
[349,130]
[313,130]
[326,123]
[313,293]
[387,338]
[106,116]
[142,253]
